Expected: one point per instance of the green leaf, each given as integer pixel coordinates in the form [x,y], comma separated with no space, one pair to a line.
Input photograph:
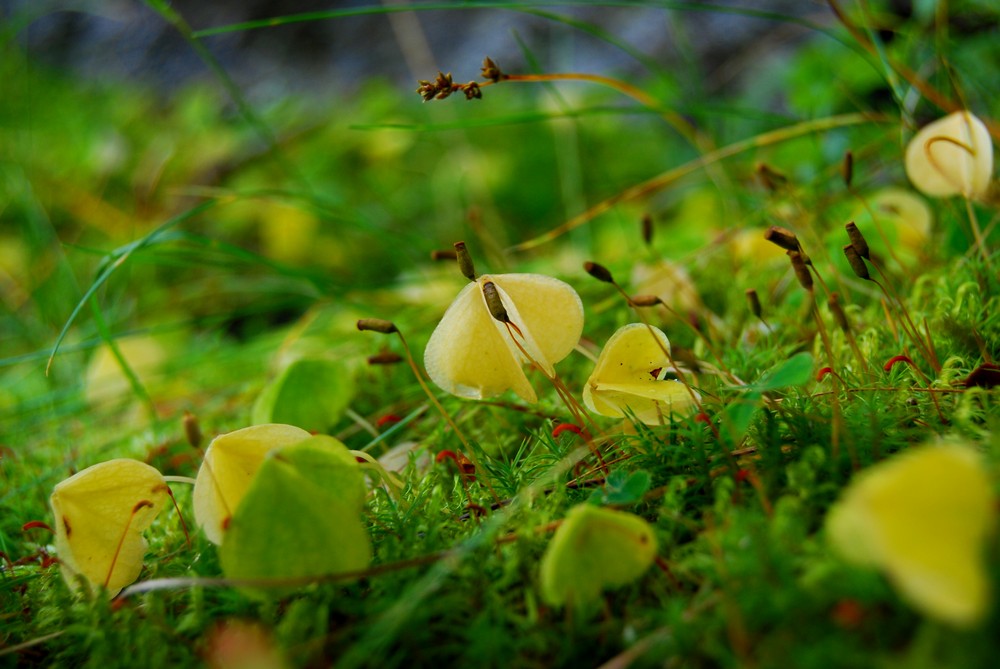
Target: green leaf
[796,371]
[622,487]
[310,393]
[595,548]
[301,516]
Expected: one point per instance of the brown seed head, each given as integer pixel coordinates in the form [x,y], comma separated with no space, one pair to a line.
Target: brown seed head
[491,70]
[426,89]
[472,91]
[445,86]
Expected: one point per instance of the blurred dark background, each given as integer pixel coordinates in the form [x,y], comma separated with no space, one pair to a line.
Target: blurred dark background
[124,39]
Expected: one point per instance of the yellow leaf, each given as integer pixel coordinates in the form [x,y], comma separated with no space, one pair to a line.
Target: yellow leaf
[923,517]
[472,354]
[951,156]
[228,468]
[100,514]
[629,375]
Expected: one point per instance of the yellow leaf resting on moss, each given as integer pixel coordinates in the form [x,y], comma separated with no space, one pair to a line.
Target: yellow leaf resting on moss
[922,517]
[951,156]
[100,514]
[629,376]
[472,354]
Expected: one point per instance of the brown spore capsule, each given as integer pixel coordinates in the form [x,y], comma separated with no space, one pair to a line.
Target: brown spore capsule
[858,240]
[801,269]
[465,261]
[192,430]
[772,179]
[753,301]
[444,254]
[782,237]
[377,325]
[645,300]
[857,262]
[385,358]
[494,303]
[599,272]
[647,229]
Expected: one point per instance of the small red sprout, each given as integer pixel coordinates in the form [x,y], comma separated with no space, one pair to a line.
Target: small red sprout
[847,613]
[566,427]
[462,462]
[35,525]
[891,362]
[388,419]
